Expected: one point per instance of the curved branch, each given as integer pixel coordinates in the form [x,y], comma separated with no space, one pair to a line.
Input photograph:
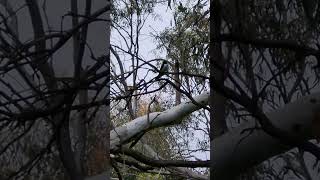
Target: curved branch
[126,132]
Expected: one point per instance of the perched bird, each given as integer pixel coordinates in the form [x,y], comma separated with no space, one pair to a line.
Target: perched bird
[164,69]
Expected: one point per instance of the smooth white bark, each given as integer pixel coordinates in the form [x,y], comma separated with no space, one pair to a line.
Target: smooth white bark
[239,148]
[174,115]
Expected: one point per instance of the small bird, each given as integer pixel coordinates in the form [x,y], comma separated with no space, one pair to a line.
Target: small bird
[164,69]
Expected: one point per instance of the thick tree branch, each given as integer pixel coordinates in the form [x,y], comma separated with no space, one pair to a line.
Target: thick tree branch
[126,132]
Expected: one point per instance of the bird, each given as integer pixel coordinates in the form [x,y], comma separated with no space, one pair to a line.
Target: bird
[164,69]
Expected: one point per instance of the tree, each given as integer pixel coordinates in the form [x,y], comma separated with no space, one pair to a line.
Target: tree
[265,69]
[261,74]
[132,86]
[54,82]
[262,101]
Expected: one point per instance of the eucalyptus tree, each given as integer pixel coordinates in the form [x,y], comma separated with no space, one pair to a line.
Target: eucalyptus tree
[54,82]
[137,93]
[263,79]
[267,53]
[264,66]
